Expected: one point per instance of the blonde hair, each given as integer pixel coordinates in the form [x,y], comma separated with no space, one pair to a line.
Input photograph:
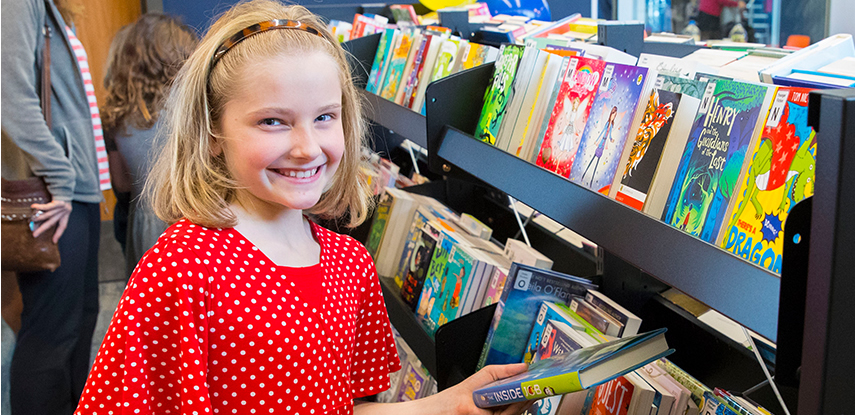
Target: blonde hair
[189,180]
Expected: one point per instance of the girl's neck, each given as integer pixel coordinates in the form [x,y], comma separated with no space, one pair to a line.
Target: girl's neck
[284,236]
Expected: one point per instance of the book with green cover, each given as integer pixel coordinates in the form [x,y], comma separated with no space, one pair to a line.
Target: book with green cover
[497,95]
[378,225]
[383,48]
[575,371]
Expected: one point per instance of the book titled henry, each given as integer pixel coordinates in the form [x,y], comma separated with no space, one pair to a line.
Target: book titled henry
[575,371]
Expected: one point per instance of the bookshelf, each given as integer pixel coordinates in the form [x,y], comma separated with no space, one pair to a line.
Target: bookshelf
[742,291]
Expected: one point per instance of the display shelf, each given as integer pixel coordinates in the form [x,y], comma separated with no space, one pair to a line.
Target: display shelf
[739,289]
[401,120]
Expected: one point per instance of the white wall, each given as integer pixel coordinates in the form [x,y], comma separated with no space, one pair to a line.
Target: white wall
[841,17]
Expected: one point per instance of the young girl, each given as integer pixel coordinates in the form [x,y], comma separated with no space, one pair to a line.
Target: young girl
[245,306]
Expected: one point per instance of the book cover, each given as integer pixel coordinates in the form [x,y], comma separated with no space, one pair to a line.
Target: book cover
[435,280]
[575,371]
[445,60]
[418,263]
[548,312]
[497,285]
[413,60]
[694,386]
[712,162]
[448,289]
[630,321]
[386,42]
[570,114]
[476,55]
[664,381]
[615,397]
[425,72]
[496,99]
[418,68]
[597,318]
[528,73]
[518,306]
[378,225]
[558,338]
[780,174]
[392,243]
[404,13]
[396,66]
[421,216]
[413,382]
[686,86]
[607,130]
[637,174]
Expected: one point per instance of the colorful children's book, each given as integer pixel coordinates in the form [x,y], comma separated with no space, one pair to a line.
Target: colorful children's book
[418,66]
[446,58]
[569,114]
[425,71]
[435,281]
[780,174]
[477,55]
[404,13]
[387,40]
[417,264]
[612,115]
[558,338]
[448,290]
[396,66]
[415,50]
[694,386]
[548,311]
[624,395]
[527,287]
[575,371]
[638,171]
[596,317]
[388,253]
[413,382]
[712,163]
[497,285]
[497,95]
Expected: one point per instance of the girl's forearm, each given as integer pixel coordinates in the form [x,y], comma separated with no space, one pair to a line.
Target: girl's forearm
[431,405]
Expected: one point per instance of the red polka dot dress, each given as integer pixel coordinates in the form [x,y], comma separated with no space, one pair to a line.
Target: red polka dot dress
[209,325]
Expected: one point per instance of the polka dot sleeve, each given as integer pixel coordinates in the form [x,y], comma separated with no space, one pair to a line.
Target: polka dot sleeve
[375,354]
[154,357]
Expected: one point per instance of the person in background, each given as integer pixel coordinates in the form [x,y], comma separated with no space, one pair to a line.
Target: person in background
[51,358]
[709,17]
[117,167]
[146,56]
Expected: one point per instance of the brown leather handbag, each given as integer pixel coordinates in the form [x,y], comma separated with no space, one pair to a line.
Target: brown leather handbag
[21,252]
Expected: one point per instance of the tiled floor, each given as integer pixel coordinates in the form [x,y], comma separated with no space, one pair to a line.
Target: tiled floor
[111,270]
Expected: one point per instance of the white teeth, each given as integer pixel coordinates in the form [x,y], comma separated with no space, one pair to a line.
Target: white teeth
[303,174]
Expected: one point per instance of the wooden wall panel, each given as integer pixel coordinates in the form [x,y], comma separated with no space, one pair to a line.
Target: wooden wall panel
[100,21]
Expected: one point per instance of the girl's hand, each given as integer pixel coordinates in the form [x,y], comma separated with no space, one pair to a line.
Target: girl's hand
[459,397]
[56,212]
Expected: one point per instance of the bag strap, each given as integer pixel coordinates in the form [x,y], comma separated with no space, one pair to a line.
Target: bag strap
[45,90]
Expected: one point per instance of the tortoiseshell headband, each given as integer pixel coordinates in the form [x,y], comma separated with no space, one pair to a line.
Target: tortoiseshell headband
[260,28]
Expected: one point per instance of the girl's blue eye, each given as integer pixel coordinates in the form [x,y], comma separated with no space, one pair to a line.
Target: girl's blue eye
[325,117]
[270,122]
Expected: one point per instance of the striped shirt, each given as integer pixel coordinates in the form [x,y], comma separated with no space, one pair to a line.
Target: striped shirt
[100,149]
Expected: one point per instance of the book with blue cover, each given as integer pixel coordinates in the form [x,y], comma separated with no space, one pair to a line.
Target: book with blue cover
[578,370]
[517,309]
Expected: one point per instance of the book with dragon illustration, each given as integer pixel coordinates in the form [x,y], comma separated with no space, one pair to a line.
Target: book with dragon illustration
[497,95]
[780,174]
[712,162]
[619,99]
[569,114]
[637,173]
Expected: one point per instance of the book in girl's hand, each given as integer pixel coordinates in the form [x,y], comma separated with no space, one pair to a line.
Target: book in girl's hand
[575,371]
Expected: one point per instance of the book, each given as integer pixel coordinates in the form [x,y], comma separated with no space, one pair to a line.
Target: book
[569,115]
[517,251]
[712,162]
[558,338]
[498,279]
[596,317]
[425,71]
[630,321]
[682,395]
[388,253]
[446,58]
[646,149]
[527,287]
[667,65]
[396,66]
[421,216]
[413,383]
[415,49]
[548,312]
[781,173]
[475,227]
[383,51]
[686,86]
[496,99]
[449,288]
[404,13]
[435,281]
[663,399]
[416,267]
[478,54]
[528,74]
[531,117]
[694,386]
[618,104]
[668,159]
[575,371]
[539,118]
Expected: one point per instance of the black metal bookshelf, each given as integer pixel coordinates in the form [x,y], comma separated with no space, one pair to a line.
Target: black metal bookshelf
[739,289]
